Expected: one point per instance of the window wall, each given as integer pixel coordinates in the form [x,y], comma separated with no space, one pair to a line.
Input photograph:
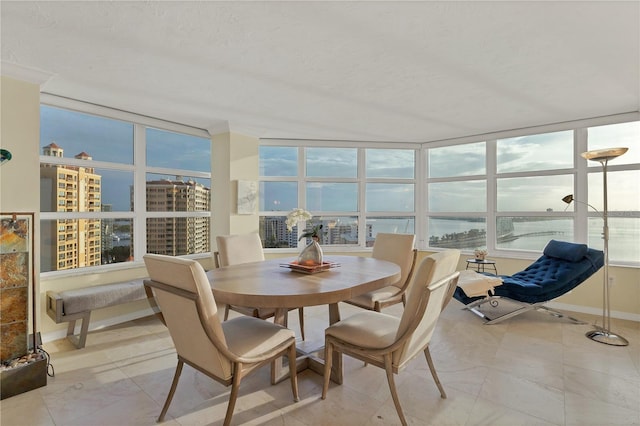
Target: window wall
[114,186]
[354,192]
[516,184]
[502,193]
[623,188]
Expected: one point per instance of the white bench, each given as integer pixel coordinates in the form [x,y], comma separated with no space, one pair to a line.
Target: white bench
[77,304]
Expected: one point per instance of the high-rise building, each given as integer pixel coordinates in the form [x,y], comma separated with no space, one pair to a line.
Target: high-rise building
[275,232]
[75,243]
[176,236]
[106,231]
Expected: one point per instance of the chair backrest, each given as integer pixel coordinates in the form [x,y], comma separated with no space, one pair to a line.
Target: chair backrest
[396,248]
[430,287]
[237,249]
[183,292]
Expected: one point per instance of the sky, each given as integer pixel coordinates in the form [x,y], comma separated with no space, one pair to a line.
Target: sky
[112,141]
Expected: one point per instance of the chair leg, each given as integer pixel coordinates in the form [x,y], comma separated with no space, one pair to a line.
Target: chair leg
[392,386]
[328,359]
[293,371]
[301,320]
[235,386]
[226,312]
[427,354]
[174,385]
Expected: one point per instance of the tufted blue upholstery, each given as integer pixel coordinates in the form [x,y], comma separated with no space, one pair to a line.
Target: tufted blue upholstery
[546,278]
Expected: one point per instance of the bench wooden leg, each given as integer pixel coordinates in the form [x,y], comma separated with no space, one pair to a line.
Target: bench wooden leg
[80,340]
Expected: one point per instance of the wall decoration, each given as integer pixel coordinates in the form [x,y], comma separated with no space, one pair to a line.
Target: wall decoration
[5,155]
[247,196]
[16,283]
[24,365]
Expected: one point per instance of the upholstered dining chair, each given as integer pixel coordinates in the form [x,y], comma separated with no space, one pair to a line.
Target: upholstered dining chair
[396,248]
[239,249]
[225,351]
[389,342]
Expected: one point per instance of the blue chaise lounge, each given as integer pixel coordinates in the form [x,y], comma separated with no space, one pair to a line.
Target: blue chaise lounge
[562,267]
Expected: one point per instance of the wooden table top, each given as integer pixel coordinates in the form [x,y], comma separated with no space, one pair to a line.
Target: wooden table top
[268,285]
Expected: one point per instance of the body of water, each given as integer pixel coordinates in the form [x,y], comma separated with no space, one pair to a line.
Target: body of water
[624,234]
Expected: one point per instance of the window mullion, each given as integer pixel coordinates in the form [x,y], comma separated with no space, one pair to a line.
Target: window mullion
[302,187]
[421,198]
[140,196]
[580,186]
[362,199]
[492,188]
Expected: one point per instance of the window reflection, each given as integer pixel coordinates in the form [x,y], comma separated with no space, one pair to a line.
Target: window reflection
[458,160]
[390,163]
[535,193]
[331,162]
[545,151]
[461,196]
[77,243]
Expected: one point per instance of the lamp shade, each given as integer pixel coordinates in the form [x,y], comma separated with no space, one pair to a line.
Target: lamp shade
[603,154]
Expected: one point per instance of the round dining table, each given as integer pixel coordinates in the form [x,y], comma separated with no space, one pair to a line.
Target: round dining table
[280,284]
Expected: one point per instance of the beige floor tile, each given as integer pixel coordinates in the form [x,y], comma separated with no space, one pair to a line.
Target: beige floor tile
[73,396]
[583,411]
[488,413]
[524,395]
[612,360]
[623,392]
[530,365]
[529,370]
[420,400]
[25,409]
[135,409]
[536,347]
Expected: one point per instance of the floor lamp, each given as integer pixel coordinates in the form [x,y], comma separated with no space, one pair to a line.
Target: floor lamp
[603,334]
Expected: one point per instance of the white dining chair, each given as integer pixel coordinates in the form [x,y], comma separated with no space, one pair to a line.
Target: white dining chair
[389,342]
[225,351]
[396,248]
[239,249]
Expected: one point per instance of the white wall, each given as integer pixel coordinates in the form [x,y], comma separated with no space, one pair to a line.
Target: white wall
[20,177]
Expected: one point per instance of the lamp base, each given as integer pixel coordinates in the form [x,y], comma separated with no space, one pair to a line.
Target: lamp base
[603,336]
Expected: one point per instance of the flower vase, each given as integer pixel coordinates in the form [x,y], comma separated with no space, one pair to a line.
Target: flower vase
[480,255]
[311,255]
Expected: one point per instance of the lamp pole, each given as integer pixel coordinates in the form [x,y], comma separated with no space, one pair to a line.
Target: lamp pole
[603,334]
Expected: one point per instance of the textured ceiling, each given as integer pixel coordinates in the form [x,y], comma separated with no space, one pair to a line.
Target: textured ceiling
[375,71]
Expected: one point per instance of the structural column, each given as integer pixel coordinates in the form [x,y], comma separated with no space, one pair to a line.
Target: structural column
[234,158]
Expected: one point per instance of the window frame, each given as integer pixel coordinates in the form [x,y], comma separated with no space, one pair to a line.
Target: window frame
[138,215]
[361,180]
[580,170]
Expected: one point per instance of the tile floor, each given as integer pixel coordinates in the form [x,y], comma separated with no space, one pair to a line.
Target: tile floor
[531,370]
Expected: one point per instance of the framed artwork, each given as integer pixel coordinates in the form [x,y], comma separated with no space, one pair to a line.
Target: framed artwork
[17,298]
[247,196]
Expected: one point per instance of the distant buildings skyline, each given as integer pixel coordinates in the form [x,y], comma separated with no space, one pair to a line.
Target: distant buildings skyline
[77,243]
[74,243]
[178,235]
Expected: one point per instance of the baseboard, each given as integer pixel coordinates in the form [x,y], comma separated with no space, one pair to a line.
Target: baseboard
[97,325]
[593,311]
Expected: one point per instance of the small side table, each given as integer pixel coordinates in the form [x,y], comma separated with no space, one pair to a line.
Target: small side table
[480,265]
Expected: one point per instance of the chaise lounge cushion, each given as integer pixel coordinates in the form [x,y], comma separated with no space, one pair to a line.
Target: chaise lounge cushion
[568,251]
